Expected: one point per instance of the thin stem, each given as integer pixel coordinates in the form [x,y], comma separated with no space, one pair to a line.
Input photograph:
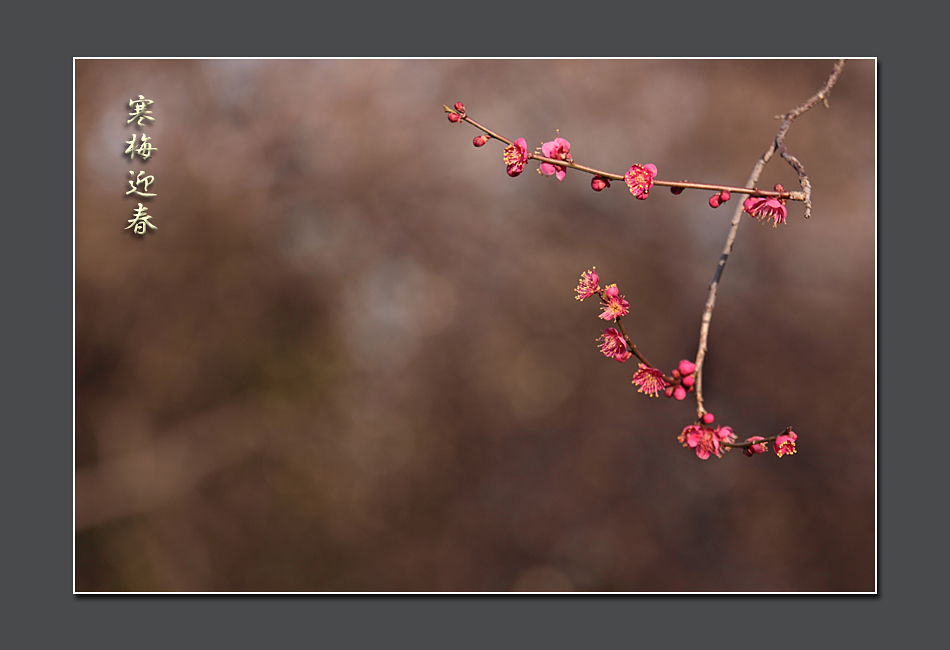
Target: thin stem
[749,443]
[633,348]
[477,125]
[778,142]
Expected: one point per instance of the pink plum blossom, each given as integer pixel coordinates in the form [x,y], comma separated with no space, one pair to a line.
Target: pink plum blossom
[785,444]
[558,149]
[614,345]
[706,440]
[614,305]
[649,380]
[639,179]
[516,155]
[765,208]
[588,285]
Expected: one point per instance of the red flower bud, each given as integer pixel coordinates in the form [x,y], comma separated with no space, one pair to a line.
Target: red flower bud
[708,418]
[454,117]
[598,183]
[714,201]
[687,367]
[779,187]
[688,382]
[668,392]
[677,190]
[724,196]
[679,393]
[460,107]
[480,140]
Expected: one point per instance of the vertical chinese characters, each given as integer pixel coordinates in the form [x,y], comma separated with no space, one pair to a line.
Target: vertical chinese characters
[139,183]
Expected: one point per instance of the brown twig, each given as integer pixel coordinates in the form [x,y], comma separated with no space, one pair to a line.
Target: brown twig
[788,118]
[777,144]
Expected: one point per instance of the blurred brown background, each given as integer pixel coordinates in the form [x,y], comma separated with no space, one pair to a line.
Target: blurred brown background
[350,359]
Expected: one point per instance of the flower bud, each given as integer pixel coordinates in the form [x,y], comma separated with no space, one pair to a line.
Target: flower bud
[668,392]
[714,201]
[758,448]
[679,393]
[677,190]
[724,196]
[598,183]
[480,140]
[454,117]
[708,418]
[779,187]
[688,382]
[687,367]
[676,373]
[460,107]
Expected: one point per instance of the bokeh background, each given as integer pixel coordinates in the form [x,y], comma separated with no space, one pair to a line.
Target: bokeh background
[350,358]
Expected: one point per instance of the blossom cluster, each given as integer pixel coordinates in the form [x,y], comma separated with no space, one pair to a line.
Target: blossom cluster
[613,342]
[706,440]
[684,380]
[613,304]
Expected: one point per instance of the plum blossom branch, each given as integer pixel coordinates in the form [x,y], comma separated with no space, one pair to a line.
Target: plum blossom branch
[777,143]
[707,441]
[459,115]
